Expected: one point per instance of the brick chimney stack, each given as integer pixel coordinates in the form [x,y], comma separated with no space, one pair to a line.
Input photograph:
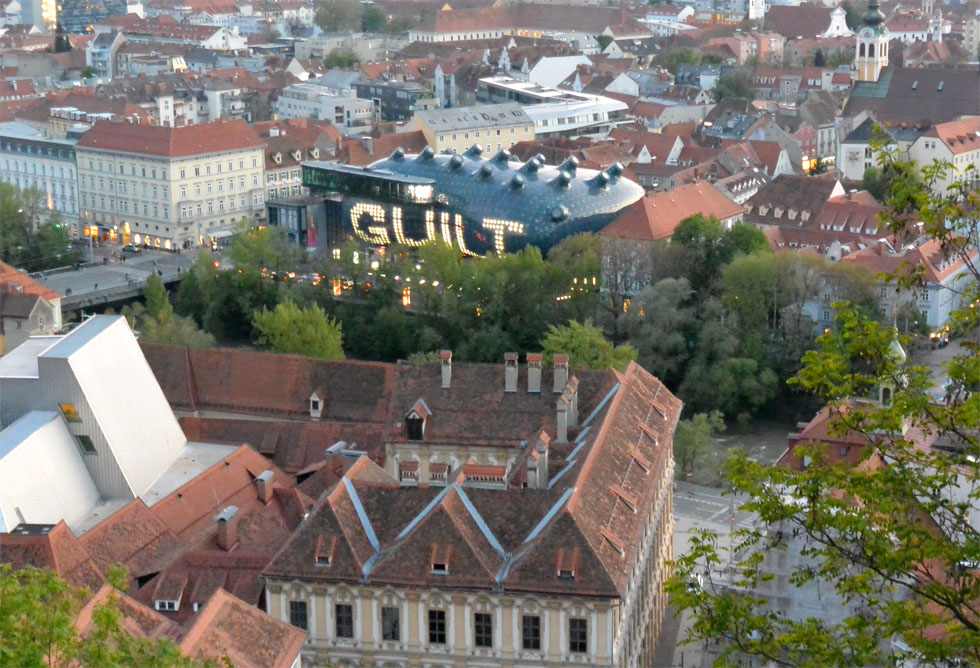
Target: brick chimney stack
[510,372]
[534,373]
[561,372]
[227,522]
[572,391]
[446,362]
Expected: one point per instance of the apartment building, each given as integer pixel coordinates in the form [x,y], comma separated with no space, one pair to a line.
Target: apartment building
[493,126]
[956,143]
[522,517]
[341,107]
[170,188]
[28,159]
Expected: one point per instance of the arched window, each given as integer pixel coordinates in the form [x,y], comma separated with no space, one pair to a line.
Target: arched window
[861,50]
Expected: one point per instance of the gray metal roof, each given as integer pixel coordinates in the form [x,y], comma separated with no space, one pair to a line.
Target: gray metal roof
[477,117]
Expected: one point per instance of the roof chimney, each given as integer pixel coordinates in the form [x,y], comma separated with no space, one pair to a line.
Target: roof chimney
[534,373]
[263,485]
[510,372]
[537,463]
[561,408]
[227,528]
[446,362]
[571,391]
[561,372]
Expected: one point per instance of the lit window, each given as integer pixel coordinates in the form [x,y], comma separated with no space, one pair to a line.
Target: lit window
[70,412]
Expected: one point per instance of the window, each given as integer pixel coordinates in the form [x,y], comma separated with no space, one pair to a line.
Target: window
[390,624]
[578,635]
[255,179]
[483,629]
[183,191]
[437,626]
[344,614]
[531,632]
[183,173]
[415,427]
[86,445]
[297,614]
[197,172]
[70,412]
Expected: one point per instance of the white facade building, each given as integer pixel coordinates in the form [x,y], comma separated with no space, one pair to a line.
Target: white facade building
[86,429]
[341,107]
[170,188]
[556,113]
[28,159]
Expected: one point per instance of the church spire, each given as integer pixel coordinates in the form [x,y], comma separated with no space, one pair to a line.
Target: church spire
[874,18]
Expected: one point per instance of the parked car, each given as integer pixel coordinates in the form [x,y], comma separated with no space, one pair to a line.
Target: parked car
[131,249]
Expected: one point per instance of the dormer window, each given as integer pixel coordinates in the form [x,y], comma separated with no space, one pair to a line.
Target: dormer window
[415,421]
[567,563]
[414,427]
[325,549]
[297,155]
[277,158]
[315,153]
[441,555]
[317,401]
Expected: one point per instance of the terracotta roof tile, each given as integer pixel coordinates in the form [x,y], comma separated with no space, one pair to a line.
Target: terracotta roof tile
[225,135]
[656,215]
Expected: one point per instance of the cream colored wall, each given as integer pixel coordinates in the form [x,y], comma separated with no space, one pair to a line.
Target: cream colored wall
[460,141]
[170,225]
[413,648]
[454,455]
[621,632]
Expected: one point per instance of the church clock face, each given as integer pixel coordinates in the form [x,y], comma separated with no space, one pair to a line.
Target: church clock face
[866,33]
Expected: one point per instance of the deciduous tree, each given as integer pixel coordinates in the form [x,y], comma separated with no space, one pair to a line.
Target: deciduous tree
[299,331]
[586,346]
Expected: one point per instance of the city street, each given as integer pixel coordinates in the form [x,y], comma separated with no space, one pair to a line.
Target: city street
[118,271]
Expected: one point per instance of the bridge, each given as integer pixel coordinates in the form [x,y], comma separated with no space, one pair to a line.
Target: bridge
[113,280]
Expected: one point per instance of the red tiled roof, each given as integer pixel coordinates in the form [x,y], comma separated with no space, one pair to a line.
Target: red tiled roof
[229,627]
[656,215]
[807,20]
[58,549]
[21,282]
[225,135]
[958,136]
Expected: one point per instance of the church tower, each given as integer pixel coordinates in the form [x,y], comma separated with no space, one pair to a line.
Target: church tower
[872,45]
[757,10]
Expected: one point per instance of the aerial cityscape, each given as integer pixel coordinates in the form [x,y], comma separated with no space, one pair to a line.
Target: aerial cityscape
[475,333]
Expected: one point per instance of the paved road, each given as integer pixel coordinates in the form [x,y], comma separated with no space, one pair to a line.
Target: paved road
[117,274]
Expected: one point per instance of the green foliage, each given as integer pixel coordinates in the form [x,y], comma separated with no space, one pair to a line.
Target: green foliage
[672,60]
[299,331]
[156,322]
[263,250]
[819,60]
[89,72]
[341,59]
[890,537]
[373,20]
[31,237]
[841,58]
[707,247]
[663,327]
[586,346]
[37,624]
[736,85]
[604,41]
[695,449]
[818,166]
[338,15]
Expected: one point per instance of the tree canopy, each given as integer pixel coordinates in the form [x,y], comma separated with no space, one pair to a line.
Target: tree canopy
[31,237]
[886,530]
[37,624]
[586,346]
[299,331]
[338,15]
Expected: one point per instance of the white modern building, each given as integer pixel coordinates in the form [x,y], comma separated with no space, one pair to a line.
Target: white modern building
[349,113]
[28,159]
[86,429]
[556,113]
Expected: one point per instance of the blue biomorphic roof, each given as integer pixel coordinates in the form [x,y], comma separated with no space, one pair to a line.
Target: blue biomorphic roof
[552,201]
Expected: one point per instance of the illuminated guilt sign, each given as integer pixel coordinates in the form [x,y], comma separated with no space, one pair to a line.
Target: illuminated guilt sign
[374,225]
